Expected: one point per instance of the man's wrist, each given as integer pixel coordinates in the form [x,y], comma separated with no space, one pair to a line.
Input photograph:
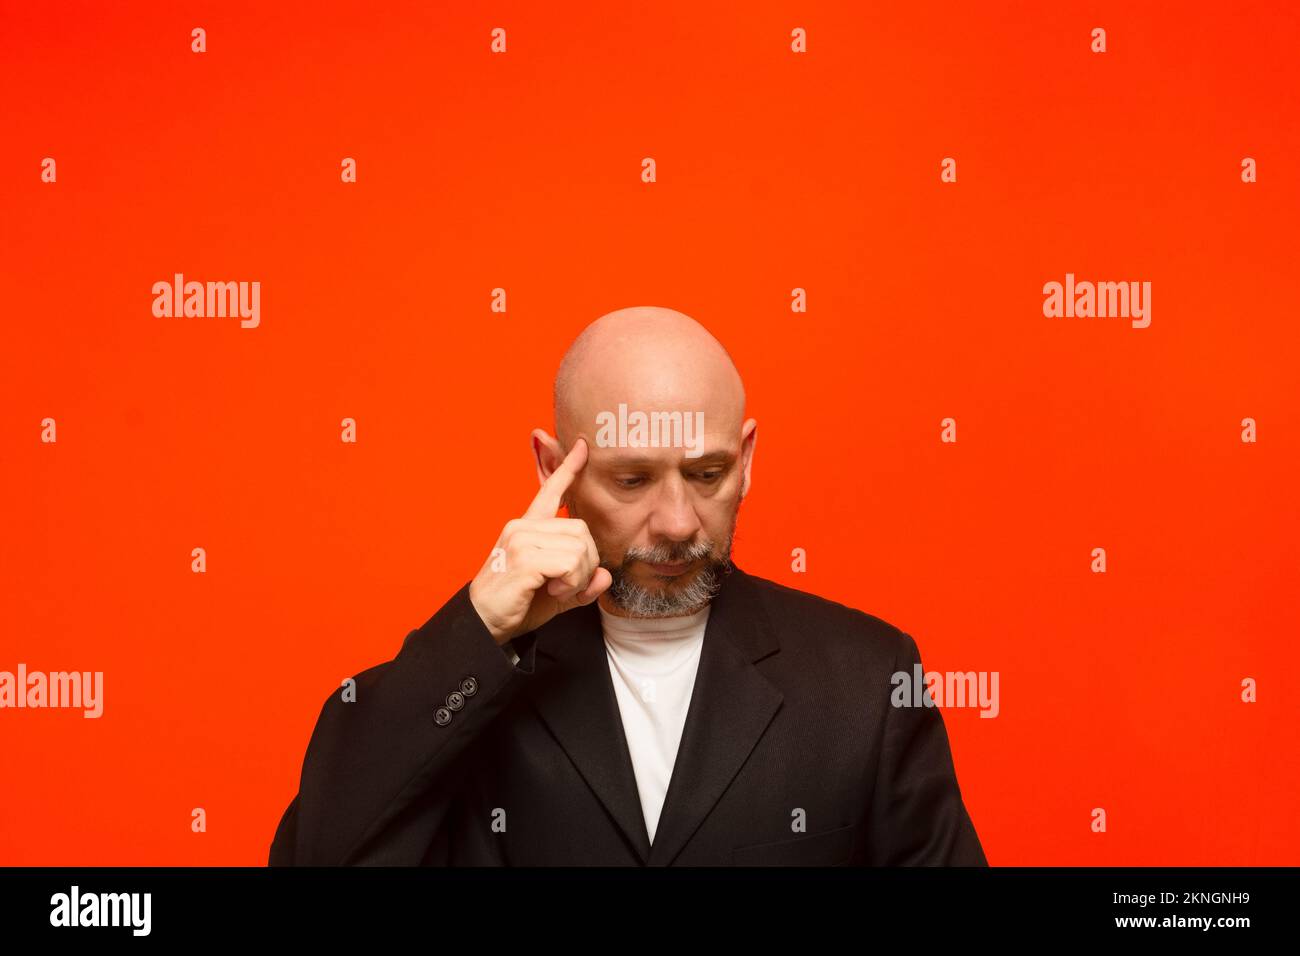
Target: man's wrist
[497,634]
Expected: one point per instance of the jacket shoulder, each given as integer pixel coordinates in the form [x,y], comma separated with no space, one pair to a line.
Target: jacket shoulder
[788,601]
[808,619]
[845,650]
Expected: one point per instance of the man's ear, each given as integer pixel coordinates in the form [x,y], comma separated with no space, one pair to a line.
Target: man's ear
[547,453]
[748,438]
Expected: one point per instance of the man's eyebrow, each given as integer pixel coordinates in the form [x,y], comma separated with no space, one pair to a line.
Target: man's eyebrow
[716,457]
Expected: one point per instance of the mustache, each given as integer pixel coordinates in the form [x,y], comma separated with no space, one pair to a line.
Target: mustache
[669,552]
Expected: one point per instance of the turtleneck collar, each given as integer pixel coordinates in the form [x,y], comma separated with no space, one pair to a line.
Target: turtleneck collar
[653,628]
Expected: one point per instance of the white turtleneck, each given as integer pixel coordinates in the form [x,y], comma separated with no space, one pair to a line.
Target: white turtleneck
[653,662]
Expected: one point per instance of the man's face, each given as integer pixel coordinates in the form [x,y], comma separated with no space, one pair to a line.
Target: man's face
[662,522]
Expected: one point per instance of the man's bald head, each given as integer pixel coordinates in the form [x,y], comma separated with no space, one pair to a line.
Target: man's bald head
[660,502]
[650,358]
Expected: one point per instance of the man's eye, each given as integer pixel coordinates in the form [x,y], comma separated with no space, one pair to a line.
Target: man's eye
[708,477]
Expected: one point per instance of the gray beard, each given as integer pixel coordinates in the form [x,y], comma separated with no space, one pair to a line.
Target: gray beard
[672,600]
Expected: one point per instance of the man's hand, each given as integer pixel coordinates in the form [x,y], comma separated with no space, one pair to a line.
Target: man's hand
[550,564]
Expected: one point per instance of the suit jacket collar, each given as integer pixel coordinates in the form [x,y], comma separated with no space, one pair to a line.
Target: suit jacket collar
[731,706]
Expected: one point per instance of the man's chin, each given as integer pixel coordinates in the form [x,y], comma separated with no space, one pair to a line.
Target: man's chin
[641,591]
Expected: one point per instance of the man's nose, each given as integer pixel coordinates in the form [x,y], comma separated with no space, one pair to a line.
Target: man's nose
[674,514]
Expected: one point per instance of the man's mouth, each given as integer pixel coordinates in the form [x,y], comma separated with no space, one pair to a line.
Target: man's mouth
[670,570]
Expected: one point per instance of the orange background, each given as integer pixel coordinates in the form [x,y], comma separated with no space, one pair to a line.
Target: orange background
[775,171]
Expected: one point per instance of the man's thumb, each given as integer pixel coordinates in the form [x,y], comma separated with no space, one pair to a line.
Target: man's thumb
[599,582]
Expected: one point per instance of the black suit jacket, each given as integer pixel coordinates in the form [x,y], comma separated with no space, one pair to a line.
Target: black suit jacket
[452,755]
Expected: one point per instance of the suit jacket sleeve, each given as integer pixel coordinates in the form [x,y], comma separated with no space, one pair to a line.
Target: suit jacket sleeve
[382,781]
[917,814]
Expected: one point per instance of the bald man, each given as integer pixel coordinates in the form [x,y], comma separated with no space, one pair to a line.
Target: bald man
[610,689]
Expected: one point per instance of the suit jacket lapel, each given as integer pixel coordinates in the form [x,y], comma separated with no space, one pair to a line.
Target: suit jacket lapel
[731,706]
[575,699]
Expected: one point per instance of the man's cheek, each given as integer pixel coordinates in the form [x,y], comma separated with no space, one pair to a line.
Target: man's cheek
[720,512]
[608,544]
